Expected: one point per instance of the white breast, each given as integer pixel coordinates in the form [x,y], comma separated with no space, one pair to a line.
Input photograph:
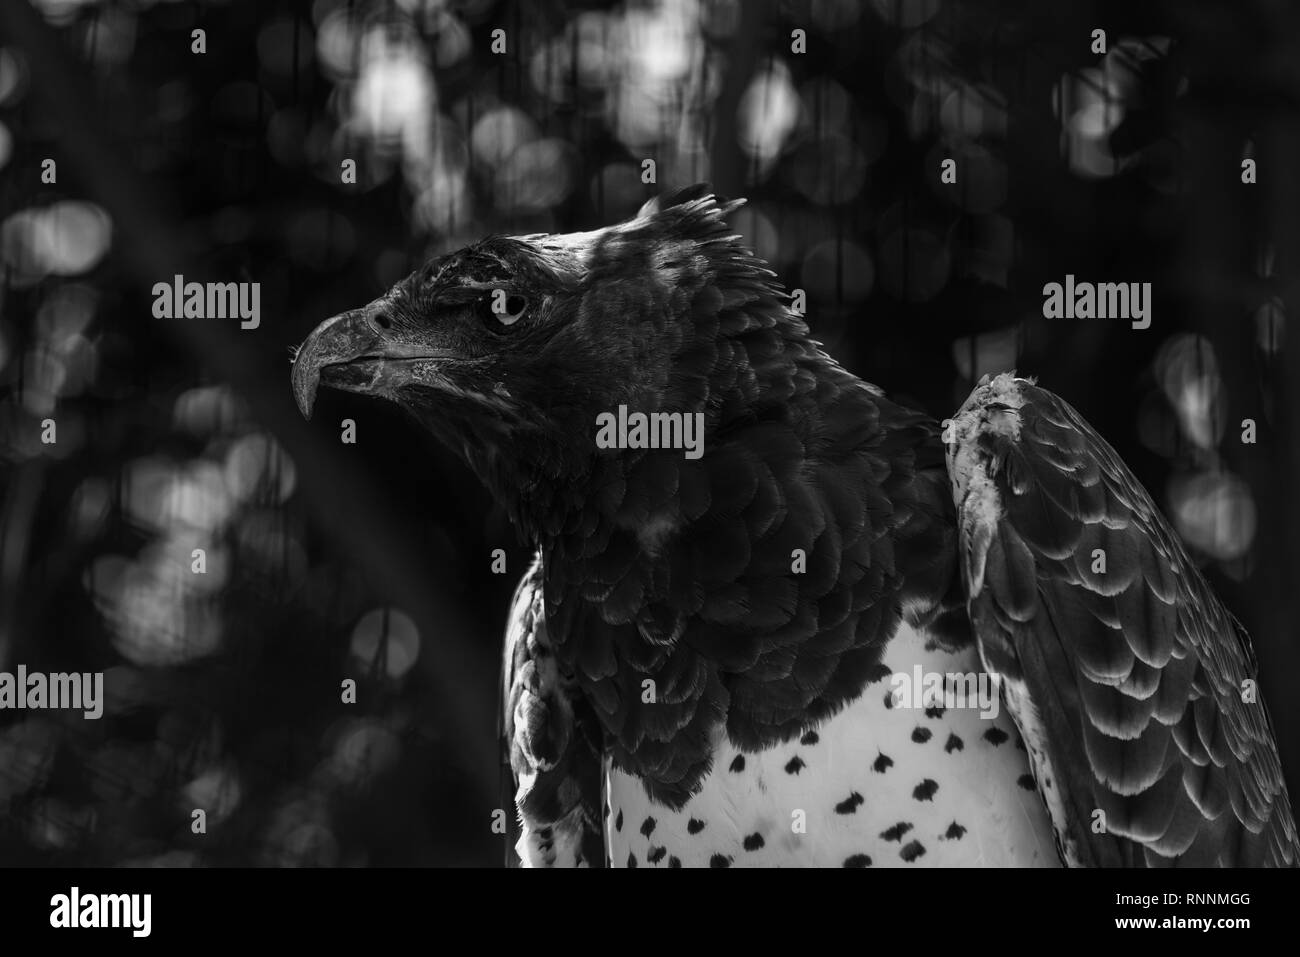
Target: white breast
[873,786]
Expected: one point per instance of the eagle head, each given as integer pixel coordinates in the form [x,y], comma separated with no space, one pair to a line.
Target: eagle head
[509,349]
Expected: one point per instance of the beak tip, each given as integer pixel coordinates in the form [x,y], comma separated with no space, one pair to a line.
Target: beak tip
[305,379]
[335,342]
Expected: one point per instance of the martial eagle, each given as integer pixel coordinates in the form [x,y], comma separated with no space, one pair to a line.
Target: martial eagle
[705,664]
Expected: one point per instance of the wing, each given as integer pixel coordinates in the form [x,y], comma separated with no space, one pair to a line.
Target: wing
[1132,685]
[553,743]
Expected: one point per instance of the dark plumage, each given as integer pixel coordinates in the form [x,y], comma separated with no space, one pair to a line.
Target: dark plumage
[1124,670]
[668,604]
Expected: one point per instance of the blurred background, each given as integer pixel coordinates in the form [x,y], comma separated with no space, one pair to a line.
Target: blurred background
[372,561]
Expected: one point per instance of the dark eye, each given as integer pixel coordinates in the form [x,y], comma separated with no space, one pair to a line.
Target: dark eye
[498,310]
[514,310]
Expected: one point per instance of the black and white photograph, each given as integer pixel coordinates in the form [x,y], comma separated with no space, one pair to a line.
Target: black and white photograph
[480,435]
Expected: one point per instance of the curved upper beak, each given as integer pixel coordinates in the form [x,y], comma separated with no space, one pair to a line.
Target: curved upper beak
[338,343]
[353,352]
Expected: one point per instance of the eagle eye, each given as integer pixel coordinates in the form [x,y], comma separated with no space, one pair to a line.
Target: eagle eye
[498,310]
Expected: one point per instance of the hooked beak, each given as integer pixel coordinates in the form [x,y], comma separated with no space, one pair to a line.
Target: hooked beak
[351,352]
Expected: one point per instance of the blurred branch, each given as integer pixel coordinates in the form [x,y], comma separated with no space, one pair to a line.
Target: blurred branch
[15,535]
[742,62]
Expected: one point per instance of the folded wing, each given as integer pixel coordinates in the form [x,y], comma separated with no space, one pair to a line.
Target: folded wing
[552,742]
[1134,688]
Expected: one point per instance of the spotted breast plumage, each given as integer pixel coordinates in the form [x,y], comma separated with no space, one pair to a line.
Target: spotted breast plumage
[763,654]
[877,784]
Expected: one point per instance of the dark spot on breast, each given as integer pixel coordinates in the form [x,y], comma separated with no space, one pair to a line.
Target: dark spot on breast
[911,851]
[850,804]
[925,790]
[1026,781]
[674,862]
[719,860]
[921,735]
[694,826]
[935,712]
[857,860]
[995,736]
[882,762]
[631,860]
[794,764]
[953,743]
[753,842]
[648,826]
[738,763]
[810,738]
[618,821]
[896,832]
[656,854]
[954,832]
